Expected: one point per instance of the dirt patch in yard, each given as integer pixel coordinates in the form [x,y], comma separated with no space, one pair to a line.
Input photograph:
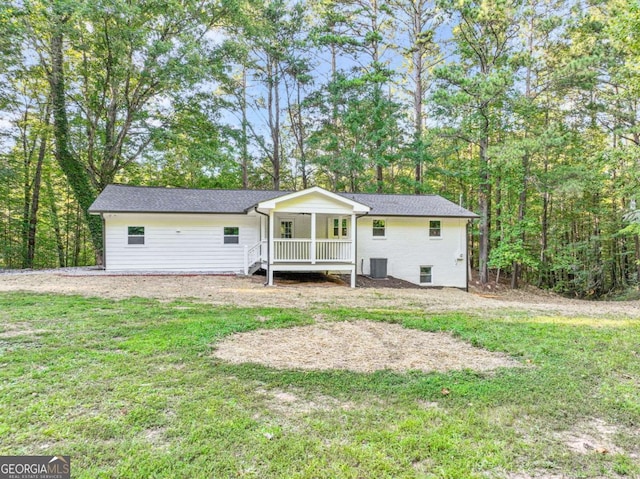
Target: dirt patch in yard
[293,402]
[14,330]
[538,474]
[360,346]
[156,437]
[288,293]
[592,437]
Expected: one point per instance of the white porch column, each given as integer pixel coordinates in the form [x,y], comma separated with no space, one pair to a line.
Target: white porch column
[271,244]
[354,260]
[312,254]
[354,238]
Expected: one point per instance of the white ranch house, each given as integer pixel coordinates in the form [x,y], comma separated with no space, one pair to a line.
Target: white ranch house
[418,238]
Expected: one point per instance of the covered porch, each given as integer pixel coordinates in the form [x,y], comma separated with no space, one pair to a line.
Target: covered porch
[314,230]
[312,238]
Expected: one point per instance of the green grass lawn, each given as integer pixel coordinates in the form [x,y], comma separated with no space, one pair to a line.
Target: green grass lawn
[130,389]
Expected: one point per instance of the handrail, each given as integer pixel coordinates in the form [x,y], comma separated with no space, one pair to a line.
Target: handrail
[252,255]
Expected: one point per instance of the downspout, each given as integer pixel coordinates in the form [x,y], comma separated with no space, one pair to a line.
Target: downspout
[268,242]
[355,234]
[104,242]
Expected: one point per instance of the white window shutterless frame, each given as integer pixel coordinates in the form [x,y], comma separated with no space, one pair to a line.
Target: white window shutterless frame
[339,228]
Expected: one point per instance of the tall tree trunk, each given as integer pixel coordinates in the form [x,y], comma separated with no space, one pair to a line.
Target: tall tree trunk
[77,236]
[35,198]
[55,222]
[484,200]
[522,198]
[70,165]
[334,170]
[522,205]
[26,204]
[273,105]
[27,154]
[378,160]
[544,237]
[637,247]
[276,132]
[301,141]
[497,188]
[245,146]
[418,139]
[418,93]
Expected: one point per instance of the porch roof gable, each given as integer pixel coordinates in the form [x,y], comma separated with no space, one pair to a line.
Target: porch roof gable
[314,199]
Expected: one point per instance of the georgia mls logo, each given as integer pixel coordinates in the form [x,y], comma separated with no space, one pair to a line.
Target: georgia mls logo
[35,467]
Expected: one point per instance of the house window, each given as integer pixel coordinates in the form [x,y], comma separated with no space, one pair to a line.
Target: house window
[425,274]
[286,229]
[135,234]
[379,228]
[231,235]
[340,229]
[435,229]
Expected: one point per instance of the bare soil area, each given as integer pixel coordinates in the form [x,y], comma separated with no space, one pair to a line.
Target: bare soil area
[290,292]
[360,346]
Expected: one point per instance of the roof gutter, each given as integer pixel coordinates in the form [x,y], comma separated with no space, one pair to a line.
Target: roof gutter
[141,212]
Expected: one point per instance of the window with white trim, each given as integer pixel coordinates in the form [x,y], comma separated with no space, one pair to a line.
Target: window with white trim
[231,235]
[379,228]
[286,229]
[135,235]
[426,275]
[340,228]
[435,229]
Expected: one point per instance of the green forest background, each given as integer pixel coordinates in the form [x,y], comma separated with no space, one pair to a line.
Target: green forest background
[525,111]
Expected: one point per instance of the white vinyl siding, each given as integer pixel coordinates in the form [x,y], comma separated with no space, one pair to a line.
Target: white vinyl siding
[179,242]
[408,247]
[195,242]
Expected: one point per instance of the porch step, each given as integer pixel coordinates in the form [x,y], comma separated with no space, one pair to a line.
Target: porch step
[255,267]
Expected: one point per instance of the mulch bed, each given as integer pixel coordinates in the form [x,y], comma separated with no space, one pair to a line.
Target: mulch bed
[388,282]
[318,279]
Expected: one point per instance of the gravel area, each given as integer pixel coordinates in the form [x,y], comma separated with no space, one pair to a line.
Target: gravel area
[288,293]
[360,346]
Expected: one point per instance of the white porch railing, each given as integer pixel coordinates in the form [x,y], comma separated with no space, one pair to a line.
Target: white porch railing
[253,254]
[295,250]
[333,250]
[299,250]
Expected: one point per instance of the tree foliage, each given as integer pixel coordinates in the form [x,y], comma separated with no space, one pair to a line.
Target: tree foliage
[527,111]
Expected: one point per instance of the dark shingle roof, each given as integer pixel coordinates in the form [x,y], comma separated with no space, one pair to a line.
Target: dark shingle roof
[147,199]
[150,199]
[410,205]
